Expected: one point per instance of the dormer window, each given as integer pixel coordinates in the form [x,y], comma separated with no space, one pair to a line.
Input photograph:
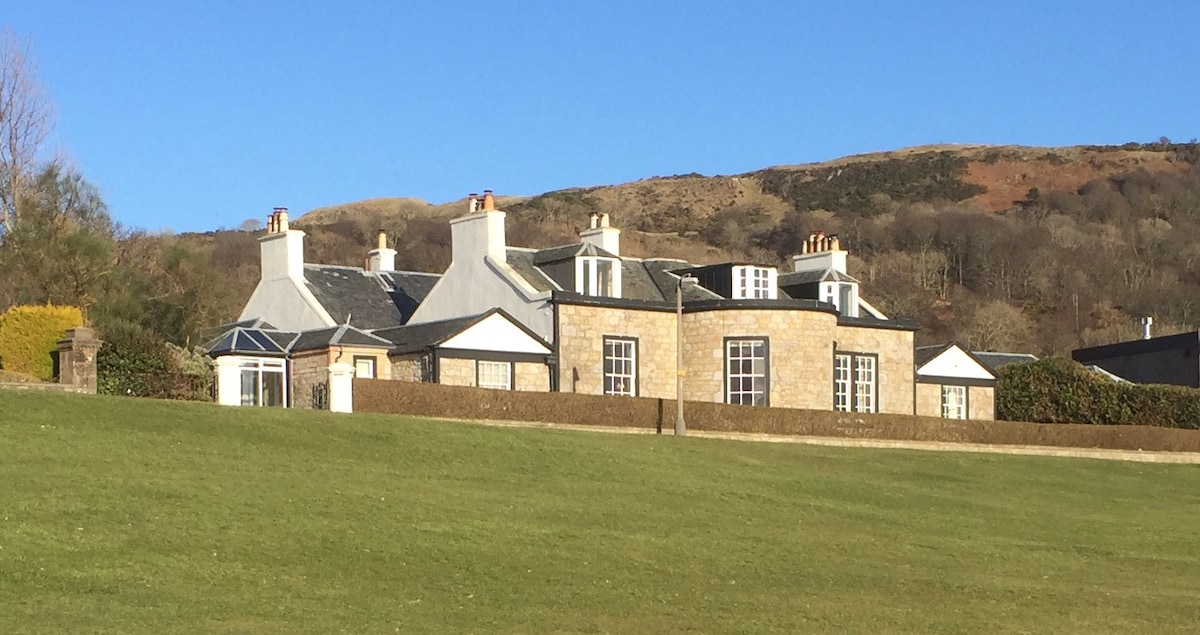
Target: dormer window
[755,283]
[843,295]
[598,276]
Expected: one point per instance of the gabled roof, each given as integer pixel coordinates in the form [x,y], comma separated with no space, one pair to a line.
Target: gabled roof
[413,338]
[566,252]
[994,360]
[950,360]
[808,277]
[343,335]
[368,299]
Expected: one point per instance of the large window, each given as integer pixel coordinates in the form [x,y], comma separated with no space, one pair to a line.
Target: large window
[747,379]
[855,382]
[497,375]
[954,402]
[598,276]
[263,382]
[620,366]
[754,283]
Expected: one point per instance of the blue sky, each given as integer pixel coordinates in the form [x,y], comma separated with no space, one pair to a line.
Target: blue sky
[194,116]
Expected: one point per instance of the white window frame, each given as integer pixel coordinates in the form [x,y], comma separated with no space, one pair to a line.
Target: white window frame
[748,386]
[855,382]
[493,374]
[367,368]
[954,401]
[751,283]
[620,366]
[253,375]
[590,281]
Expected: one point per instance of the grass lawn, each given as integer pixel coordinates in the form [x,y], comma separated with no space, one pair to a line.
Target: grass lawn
[127,516]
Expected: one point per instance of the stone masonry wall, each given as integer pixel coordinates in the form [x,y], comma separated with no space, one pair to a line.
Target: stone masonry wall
[530,376]
[896,374]
[981,402]
[409,368]
[800,360]
[929,400]
[307,370]
[581,348]
[456,372]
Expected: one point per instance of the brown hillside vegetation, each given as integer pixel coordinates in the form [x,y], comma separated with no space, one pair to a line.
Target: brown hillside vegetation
[1001,247]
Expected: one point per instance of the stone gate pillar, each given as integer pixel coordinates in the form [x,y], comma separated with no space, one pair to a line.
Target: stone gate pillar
[77,359]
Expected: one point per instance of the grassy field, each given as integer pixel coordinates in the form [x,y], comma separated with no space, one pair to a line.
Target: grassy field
[126,516]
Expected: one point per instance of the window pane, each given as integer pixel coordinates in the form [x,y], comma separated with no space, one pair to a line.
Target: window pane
[495,375]
[620,367]
[272,383]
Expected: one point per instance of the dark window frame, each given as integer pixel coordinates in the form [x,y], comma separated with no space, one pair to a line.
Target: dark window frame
[766,342]
[637,361]
[852,398]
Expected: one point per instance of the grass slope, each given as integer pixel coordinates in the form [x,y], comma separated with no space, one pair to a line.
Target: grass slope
[138,516]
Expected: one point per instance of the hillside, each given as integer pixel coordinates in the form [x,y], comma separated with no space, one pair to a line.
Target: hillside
[124,515]
[1002,247]
[1006,248]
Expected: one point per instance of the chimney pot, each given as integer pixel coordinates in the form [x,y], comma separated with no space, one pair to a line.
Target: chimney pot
[381,239]
[473,203]
[281,215]
[489,201]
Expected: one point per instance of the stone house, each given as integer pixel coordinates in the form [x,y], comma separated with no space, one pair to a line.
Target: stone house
[578,318]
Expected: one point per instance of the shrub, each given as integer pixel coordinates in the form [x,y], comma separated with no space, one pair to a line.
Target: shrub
[130,360]
[29,337]
[1057,390]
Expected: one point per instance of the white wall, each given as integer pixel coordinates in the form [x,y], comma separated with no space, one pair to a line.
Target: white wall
[287,304]
[953,362]
[496,333]
[479,279]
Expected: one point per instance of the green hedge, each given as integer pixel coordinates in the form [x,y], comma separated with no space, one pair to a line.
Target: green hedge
[131,360]
[29,337]
[1058,390]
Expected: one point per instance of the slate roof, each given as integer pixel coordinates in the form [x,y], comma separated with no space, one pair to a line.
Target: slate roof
[412,338]
[367,299]
[924,354]
[809,277]
[566,252]
[521,260]
[659,270]
[343,335]
[995,360]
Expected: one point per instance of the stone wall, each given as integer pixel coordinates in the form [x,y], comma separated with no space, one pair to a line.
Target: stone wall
[307,370]
[929,400]
[981,402]
[895,368]
[800,360]
[532,377]
[410,368]
[456,372]
[801,346]
[581,348]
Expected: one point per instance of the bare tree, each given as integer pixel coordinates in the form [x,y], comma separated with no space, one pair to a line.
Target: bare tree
[26,119]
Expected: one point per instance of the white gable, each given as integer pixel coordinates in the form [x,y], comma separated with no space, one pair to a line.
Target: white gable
[954,362]
[496,333]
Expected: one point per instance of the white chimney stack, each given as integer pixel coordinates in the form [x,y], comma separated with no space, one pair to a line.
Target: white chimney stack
[820,253]
[282,249]
[382,257]
[479,233]
[600,234]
